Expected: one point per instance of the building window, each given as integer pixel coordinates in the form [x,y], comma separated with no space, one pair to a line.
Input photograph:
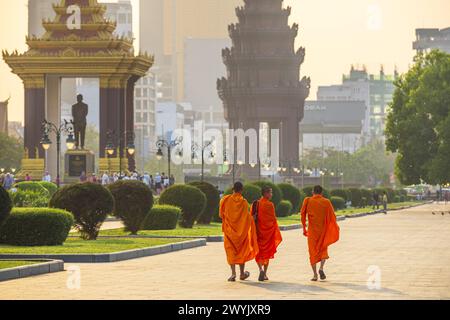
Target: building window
[138,105]
[122,18]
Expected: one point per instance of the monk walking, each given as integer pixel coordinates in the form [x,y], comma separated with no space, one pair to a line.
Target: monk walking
[322,231]
[239,231]
[269,235]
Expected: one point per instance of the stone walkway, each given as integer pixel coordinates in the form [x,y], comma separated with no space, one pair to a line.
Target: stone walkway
[407,251]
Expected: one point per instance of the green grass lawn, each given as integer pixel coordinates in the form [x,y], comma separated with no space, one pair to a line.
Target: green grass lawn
[79,246]
[391,206]
[14,264]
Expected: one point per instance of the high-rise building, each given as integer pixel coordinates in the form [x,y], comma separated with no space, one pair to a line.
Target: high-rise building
[39,10]
[4,116]
[428,39]
[375,90]
[165,25]
[122,13]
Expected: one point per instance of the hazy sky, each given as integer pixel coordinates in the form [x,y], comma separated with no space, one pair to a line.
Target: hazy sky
[336,34]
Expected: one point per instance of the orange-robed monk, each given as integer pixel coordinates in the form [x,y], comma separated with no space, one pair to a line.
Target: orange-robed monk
[323,229]
[269,235]
[239,231]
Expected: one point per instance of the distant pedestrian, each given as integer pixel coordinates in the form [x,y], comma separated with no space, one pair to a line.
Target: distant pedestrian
[105,179]
[172,180]
[375,200]
[83,177]
[385,202]
[47,177]
[27,177]
[8,182]
[158,184]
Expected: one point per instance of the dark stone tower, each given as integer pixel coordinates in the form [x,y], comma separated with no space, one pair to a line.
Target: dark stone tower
[263,76]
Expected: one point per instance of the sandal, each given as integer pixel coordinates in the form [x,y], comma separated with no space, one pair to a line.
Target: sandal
[322,275]
[245,276]
[314,279]
[232,279]
[262,276]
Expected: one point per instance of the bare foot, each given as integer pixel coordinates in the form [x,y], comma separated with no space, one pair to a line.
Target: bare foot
[316,278]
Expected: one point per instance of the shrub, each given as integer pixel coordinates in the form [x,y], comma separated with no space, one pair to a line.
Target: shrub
[29,199]
[190,199]
[308,191]
[284,208]
[32,186]
[397,199]
[90,204]
[293,195]
[5,204]
[50,186]
[356,197]
[366,193]
[364,202]
[338,203]
[162,217]
[341,193]
[277,193]
[132,202]
[36,227]
[251,192]
[212,201]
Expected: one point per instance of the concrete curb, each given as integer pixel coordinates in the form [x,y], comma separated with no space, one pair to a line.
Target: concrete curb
[47,266]
[112,257]
[207,238]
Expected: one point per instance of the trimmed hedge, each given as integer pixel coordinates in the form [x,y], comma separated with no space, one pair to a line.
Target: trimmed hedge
[284,208]
[212,201]
[341,193]
[132,202]
[251,192]
[277,193]
[190,199]
[292,194]
[33,187]
[356,197]
[367,194]
[338,203]
[50,186]
[90,203]
[308,191]
[162,217]
[29,199]
[5,204]
[36,227]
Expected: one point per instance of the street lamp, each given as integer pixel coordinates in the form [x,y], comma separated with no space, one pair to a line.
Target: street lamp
[67,128]
[160,144]
[111,148]
[206,146]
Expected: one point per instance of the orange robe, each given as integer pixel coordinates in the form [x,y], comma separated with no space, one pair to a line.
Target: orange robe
[323,229]
[269,235]
[239,229]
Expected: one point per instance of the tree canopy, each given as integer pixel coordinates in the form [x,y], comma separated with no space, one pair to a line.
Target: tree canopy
[418,126]
[11,152]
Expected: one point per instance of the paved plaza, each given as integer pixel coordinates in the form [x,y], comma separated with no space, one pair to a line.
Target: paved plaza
[402,255]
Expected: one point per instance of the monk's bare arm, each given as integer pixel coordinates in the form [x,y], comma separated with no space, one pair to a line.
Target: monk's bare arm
[303,213]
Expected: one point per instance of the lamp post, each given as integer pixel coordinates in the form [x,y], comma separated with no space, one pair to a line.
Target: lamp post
[202,148]
[64,128]
[111,148]
[169,145]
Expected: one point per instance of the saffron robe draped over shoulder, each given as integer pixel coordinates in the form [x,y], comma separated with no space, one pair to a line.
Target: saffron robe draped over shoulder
[323,229]
[268,232]
[239,229]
